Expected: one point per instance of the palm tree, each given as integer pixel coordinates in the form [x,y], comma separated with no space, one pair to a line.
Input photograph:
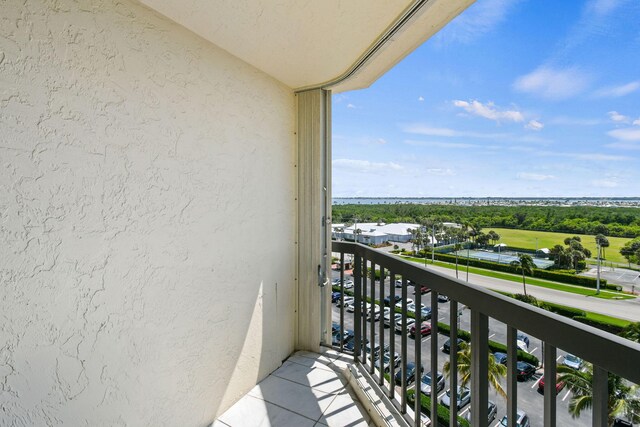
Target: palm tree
[526,265]
[497,371]
[623,399]
[602,242]
[457,248]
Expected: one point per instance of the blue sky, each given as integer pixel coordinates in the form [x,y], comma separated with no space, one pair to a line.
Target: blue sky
[513,98]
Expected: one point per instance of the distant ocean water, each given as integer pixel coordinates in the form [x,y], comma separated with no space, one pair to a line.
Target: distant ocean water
[591,201]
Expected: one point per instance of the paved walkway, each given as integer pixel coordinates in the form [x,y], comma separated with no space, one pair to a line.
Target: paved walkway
[307,390]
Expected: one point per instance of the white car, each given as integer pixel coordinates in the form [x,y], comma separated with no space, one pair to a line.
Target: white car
[389,321]
[410,322]
[399,303]
[347,301]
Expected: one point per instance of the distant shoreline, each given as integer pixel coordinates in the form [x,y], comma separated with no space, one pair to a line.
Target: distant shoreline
[506,201]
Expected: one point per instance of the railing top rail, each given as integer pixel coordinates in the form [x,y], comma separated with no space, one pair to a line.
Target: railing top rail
[608,351]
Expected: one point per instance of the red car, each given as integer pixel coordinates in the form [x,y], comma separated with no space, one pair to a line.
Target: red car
[559,386]
[423,289]
[425,329]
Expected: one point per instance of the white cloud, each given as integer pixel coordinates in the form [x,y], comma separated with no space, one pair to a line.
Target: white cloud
[351,106]
[626,134]
[441,172]
[554,84]
[365,165]
[603,7]
[636,122]
[481,18]
[617,91]
[534,125]
[574,121]
[488,111]
[617,117]
[424,129]
[439,144]
[534,176]
[624,145]
[420,98]
[604,183]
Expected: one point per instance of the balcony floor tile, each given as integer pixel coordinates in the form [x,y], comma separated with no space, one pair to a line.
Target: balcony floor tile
[306,390]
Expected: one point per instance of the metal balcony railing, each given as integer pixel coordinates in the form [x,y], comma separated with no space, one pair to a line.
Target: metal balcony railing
[608,353]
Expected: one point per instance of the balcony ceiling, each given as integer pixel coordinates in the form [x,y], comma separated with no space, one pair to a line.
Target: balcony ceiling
[308,43]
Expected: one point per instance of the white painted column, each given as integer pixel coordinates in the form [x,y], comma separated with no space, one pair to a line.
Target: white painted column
[314,219]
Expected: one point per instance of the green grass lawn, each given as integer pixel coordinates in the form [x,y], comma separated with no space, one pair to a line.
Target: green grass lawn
[547,239]
[531,281]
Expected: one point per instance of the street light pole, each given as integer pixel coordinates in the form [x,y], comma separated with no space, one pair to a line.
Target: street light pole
[598,276]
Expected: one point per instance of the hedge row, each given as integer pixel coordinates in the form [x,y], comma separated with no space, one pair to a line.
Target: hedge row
[443,411]
[493,346]
[561,277]
[563,310]
[605,326]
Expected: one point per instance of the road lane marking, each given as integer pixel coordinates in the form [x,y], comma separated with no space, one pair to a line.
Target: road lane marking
[531,352]
[566,395]
[492,335]
[536,383]
[465,411]
[558,358]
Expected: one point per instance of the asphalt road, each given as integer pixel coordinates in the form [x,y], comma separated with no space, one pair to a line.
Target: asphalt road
[529,400]
[624,309]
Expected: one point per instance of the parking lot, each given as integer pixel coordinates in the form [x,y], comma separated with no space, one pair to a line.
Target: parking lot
[529,399]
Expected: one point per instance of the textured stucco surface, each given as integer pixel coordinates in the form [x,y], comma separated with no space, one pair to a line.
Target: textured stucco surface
[147,219]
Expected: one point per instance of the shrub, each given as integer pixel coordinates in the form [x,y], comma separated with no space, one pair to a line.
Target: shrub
[600,324]
[563,310]
[443,411]
[528,299]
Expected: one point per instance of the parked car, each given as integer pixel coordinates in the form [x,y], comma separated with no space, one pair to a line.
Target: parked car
[500,357]
[410,322]
[425,383]
[464,398]
[525,370]
[348,284]
[335,296]
[347,301]
[446,347]
[619,422]
[350,345]
[425,329]
[411,373]
[423,289]
[335,281]
[335,327]
[443,298]
[572,361]
[492,413]
[523,337]
[559,385]
[338,337]
[399,283]
[389,320]
[522,421]
[388,302]
[388,360]
[522,346]
[399,303]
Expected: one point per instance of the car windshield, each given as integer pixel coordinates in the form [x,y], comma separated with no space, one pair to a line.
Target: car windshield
[504,421]
[571,358]
[426,379]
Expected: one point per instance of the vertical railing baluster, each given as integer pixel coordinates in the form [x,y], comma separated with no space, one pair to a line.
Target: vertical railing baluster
[479,368]
[434,354]
[381,324]
[549,385]
[512,375]
[372,320]
[453,359]
[363,311]
[403,349]
[392,333]
[418,352]
[357,312]
[600,397]
[342,331]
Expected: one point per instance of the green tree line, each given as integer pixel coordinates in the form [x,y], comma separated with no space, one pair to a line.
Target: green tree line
[608,221]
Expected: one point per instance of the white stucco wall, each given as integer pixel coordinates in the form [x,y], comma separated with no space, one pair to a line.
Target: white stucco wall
[147,219]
